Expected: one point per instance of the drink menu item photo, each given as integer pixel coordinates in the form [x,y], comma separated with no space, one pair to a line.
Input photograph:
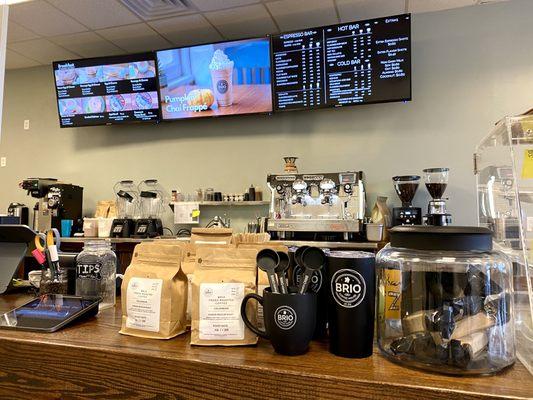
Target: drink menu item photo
[107,90]
[218,79]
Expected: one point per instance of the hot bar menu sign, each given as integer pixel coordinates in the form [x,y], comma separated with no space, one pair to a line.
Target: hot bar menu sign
[358,62]
[107,90]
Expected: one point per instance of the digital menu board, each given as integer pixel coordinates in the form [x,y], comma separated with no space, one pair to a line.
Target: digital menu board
[359,62]
[107,90]
[211,80]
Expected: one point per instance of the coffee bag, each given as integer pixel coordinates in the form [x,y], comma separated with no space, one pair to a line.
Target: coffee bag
[154,292]
[222,277]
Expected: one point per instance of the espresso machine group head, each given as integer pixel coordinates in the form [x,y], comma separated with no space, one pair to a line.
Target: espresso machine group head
[436,182]
[322,206]
[406,187]
[56,201]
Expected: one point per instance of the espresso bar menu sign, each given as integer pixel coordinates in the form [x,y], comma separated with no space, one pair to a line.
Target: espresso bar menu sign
[107,90]
[359,62]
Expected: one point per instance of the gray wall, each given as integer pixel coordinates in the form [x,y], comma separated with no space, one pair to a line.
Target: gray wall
[471,66]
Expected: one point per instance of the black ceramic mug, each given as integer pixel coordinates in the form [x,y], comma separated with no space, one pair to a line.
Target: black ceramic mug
[289,319]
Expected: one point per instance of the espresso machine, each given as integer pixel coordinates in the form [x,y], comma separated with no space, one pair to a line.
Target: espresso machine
[436,182]
[152,197]
[406,187]
[56,201]
[322,206]
[127,198]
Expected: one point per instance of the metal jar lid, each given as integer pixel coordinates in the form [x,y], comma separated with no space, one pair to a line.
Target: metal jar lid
[447,238]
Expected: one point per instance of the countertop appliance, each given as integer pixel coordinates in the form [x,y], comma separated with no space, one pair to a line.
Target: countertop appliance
[436,183]
[321,206]
[151,199]
[56,201]
[19,211]
[127,196]
[406,187]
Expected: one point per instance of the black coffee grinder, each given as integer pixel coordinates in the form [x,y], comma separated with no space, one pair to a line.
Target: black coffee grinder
[127,209]
[436,183]
[406,187]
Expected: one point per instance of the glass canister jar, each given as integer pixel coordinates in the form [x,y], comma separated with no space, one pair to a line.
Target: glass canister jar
[445,300]
[96,268]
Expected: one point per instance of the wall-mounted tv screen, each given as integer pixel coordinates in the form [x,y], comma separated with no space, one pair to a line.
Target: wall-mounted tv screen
[226,78]
[359,62]
[107,90]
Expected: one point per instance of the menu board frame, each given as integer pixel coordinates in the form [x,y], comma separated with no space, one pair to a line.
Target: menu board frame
[110,60]
[200,117]
[325,105]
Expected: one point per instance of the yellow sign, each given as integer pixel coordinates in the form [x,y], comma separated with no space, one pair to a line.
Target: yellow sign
[393,292]
[527,166]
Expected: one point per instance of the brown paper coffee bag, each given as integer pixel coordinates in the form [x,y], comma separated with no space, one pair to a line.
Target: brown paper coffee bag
[214,236]
[154,292]
[222,277]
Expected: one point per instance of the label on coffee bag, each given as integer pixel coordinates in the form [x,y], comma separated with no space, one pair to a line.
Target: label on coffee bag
[143,304]
[220,311]
[348,288]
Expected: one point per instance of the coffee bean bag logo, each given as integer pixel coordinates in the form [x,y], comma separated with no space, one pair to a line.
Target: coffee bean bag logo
[285,317]
[348,288]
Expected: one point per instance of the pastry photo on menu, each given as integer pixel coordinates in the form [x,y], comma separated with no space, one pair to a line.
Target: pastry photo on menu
[144,100]
[142,69]
[118,102]
[66,76]
[93,105]
[70,107]
[93,74]
[116,72]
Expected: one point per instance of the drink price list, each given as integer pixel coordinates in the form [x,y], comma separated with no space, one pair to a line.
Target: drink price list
[360,62]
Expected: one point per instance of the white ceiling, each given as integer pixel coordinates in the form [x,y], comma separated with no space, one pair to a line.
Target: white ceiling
[42,31]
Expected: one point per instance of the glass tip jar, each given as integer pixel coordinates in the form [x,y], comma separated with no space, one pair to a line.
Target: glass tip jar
[445,300]
[96,273]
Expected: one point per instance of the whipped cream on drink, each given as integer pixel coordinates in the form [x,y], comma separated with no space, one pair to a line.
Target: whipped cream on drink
[222,76]
[220,61]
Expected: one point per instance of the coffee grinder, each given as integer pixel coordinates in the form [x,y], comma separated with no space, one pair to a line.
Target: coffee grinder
[406,187]
[151,200]
[436,182]
[127,196]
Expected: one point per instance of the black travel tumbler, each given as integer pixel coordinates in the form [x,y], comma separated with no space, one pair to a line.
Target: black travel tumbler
[352,293]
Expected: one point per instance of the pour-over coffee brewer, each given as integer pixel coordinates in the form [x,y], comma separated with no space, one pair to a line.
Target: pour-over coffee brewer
[151,200]
[436,182]
[406,187]
[127,196]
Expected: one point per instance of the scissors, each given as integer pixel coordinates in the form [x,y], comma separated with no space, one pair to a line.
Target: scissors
[46,245]
[43,241]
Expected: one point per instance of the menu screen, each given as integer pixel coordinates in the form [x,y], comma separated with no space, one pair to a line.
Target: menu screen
[218,79]
[108,90]
[332,66]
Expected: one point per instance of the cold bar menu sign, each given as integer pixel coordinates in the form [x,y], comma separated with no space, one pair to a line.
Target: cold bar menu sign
[107,90]
[359,62]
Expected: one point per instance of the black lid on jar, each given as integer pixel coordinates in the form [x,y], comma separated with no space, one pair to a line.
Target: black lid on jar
[451,238]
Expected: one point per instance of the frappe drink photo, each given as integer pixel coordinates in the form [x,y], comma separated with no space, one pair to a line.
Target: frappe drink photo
[221,68]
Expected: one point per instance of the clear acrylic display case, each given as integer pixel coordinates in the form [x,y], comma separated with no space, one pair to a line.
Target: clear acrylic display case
[503,164]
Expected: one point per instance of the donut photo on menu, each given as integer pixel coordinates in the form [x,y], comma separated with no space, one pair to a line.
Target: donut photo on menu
[145,101]
[70,107]
[92,105]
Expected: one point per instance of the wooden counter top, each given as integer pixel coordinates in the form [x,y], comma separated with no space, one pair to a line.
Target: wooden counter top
[91,360]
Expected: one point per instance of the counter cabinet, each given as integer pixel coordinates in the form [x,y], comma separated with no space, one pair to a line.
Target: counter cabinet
[91,360]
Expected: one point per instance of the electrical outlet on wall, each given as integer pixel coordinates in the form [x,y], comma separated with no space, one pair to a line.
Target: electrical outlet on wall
[3,161]
[26,124]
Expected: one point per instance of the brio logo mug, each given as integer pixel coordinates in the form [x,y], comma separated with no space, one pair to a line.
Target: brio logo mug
[289,319]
